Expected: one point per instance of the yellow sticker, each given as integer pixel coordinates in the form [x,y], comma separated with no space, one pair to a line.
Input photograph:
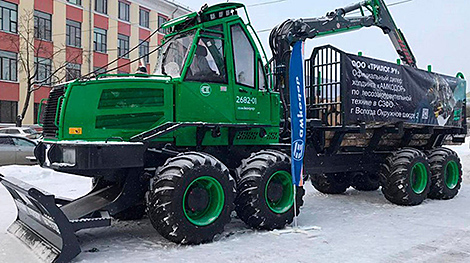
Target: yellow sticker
[75,130]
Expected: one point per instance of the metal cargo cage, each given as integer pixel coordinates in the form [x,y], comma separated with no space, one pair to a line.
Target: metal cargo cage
[344,89]
[355,101]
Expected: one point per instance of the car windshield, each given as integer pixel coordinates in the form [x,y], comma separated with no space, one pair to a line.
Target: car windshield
[30,131]
[173,53]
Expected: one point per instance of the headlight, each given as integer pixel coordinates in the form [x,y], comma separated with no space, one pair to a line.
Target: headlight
[68,155]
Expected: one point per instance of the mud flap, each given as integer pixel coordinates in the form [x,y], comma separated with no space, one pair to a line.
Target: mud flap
[44,226]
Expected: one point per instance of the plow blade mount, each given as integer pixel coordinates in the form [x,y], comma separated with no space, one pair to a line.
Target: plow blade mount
[47,224]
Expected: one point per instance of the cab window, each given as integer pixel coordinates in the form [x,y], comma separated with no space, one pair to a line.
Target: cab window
[172,55]
[243,56]
[208,63]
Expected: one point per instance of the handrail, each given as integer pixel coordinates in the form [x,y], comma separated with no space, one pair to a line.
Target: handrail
[40,111]
[57,110]
[132,75]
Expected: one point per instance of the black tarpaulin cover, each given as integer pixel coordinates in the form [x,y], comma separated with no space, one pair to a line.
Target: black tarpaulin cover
[378,91]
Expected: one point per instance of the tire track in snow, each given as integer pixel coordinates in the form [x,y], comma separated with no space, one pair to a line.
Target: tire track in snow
[451,247]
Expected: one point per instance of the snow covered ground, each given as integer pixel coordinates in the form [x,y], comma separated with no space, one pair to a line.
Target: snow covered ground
[353,227]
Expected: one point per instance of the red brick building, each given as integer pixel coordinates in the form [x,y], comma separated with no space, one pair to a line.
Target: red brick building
[72,38]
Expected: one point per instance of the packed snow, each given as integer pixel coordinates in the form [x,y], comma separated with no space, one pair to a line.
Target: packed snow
[352,227]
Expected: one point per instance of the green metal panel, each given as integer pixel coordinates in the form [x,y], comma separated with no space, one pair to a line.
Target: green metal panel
[116,107]
[275,109]
[209,102]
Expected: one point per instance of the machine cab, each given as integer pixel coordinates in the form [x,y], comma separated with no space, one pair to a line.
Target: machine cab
[222,78]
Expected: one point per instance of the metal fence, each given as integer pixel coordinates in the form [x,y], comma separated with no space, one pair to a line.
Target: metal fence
[323,85]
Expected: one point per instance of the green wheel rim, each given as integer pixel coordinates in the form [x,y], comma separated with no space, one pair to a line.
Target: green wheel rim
[419,178]
[215,205]
[452,174]
[287,198]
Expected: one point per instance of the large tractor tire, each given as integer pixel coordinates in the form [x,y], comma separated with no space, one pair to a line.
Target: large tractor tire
[191,198]
[331,183]
[446,173]
[366,181]
[265,198]
[406,177]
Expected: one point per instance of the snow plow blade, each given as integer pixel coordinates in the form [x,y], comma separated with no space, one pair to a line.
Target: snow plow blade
[47,224]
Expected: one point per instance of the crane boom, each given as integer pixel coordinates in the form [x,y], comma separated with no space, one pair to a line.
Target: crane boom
[286,34]
[335,22]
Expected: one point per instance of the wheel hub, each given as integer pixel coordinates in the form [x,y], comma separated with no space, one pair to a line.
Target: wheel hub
[198,199]
[279,192]
[419,178]
[452,174]
[274,192]
[203,201]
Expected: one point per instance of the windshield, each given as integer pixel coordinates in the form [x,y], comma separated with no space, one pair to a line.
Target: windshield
[30,131]
[173,54]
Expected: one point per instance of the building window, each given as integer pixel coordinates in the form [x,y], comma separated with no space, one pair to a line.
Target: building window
[42,25]
[99,70]
[100,40]
[43,70]
[74,33]
[123,11]
[162,20]
[123,46]
[144,18]
[8,68]
[144,51]
[73,71]
[101,6]
[8,17]
[75,2]
[8,111]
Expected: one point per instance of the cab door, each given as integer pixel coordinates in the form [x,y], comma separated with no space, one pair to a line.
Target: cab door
[252,100]
[203,95]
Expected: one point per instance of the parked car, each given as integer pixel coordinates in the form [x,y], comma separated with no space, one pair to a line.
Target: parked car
[16,150]
[27,132]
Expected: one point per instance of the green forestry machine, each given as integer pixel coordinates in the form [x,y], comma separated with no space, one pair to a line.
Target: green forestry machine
[210,132]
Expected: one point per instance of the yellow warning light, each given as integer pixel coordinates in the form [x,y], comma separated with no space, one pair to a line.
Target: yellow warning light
[75,130]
